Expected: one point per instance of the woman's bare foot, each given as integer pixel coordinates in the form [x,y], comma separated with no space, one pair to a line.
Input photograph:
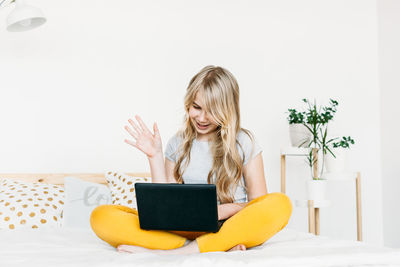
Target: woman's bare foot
[237,247]
[133,249]
[192,247]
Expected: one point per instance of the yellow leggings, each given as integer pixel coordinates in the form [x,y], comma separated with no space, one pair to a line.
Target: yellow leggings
[258,221]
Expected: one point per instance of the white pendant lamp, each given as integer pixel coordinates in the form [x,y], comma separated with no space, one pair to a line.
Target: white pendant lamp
[24,17]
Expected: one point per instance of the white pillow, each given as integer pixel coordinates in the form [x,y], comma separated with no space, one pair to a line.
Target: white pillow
[81,197]
[30,205]
[122,188]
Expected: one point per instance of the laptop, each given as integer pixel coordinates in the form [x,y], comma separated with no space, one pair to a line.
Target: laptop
[177,207]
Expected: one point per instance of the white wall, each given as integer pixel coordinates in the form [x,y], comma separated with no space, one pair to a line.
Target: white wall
[68,88]
[389,69]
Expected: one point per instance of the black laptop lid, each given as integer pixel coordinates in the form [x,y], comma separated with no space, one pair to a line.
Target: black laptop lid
[179,207]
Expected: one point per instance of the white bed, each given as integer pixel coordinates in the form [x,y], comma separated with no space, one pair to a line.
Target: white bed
[69,246]
[76,247]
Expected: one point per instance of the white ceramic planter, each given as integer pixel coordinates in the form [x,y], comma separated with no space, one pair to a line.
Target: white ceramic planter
[316,190]
[338,164]
[299,134]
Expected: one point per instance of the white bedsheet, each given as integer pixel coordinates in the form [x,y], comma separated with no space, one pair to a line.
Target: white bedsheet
[69,247]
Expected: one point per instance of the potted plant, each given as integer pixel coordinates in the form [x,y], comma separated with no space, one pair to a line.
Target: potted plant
[336,162]
[298,133]
[317,119]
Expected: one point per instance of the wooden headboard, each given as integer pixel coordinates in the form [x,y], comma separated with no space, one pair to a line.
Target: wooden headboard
[58,178]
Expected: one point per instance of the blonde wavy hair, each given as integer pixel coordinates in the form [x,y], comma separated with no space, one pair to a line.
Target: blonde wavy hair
[221,101]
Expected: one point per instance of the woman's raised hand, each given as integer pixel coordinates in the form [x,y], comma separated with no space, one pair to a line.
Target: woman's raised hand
[144,140]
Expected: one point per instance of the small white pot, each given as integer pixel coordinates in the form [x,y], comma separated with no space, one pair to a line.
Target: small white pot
[316,190]
[299,134]
[338,164]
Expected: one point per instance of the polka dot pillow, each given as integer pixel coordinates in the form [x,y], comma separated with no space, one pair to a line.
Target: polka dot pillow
[122,188]
[30,205]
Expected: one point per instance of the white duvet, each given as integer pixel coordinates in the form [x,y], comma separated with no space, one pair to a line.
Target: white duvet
[72,247]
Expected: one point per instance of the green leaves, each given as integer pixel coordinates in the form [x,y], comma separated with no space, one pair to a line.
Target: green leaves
[313,115]
[295,116]
[344,142]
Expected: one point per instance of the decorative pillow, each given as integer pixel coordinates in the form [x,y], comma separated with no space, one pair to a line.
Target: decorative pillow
[123,188]
[30,205]
[81,197]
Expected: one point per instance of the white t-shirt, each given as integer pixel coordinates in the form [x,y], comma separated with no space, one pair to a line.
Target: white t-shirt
[201,160]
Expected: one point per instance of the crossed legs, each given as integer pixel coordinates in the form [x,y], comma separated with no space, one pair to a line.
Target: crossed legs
[253,225]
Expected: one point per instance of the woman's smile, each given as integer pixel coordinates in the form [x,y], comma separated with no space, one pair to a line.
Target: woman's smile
[202,126]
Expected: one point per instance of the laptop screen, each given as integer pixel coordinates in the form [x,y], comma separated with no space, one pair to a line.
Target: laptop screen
[177,207]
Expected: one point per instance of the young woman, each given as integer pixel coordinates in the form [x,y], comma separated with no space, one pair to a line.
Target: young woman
[211,147]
